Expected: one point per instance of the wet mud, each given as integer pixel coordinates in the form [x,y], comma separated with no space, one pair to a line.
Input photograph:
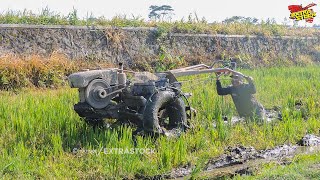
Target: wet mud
[270,115]
[244,160]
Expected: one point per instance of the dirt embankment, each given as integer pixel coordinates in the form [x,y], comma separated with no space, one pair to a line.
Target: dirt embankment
[142,48]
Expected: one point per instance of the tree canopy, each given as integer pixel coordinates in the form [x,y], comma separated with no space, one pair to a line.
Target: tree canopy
[161,13]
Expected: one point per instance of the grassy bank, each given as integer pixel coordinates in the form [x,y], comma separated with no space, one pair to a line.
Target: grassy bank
[39,129]
[191,24]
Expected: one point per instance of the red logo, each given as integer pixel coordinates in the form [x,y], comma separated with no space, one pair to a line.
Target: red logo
[297,12]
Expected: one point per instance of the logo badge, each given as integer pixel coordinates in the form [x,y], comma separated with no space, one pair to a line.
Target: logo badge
[298,13]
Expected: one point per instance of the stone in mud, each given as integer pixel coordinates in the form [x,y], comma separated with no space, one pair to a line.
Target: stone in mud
[310,140]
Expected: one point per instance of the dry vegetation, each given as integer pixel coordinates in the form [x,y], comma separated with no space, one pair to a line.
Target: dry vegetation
[37,71]
[51,72]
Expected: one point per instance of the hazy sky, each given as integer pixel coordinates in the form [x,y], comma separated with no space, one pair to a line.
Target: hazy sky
[212,10]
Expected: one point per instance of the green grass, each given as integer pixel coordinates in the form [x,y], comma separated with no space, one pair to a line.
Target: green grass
[39,129]
[302,167]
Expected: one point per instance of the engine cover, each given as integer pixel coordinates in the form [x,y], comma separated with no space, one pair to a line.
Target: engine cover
[82,79]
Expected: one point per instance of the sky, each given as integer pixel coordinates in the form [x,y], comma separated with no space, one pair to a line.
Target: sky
[212,10]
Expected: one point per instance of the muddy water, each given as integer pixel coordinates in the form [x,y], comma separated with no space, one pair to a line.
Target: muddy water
[244,160]
[270,115]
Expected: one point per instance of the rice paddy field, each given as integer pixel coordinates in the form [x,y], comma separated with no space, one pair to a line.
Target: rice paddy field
[39,130]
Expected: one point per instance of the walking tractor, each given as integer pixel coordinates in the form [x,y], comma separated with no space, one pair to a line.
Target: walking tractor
[153,102]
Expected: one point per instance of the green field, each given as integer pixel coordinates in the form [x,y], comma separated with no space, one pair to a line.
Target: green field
[39,129]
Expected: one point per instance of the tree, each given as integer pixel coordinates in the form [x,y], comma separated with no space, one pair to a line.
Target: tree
[160,12]
[153,14]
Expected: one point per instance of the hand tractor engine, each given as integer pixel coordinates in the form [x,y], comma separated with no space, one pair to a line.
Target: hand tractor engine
[150,101]
[153,102]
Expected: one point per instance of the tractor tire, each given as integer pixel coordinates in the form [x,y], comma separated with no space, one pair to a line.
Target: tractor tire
[161,106]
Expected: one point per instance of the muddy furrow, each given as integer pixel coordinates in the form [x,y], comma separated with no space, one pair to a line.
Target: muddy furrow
[244,160]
